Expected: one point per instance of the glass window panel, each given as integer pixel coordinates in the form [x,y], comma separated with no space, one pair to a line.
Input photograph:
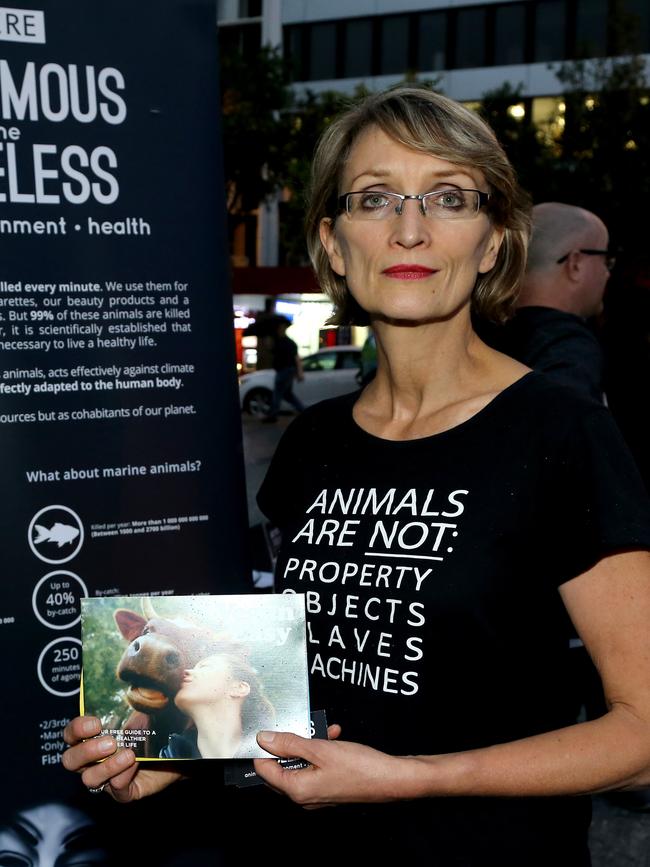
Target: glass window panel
[322,57]
[357,61]
[548,117]
[394,45]
[639,11]
[470,38]
[550,31]
[250,8]
[293,51]
[591,28]
[349,360]
[323,361]
[509,34]
[432,41]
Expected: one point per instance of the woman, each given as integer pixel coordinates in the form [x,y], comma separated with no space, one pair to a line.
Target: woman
[443,524]
[224,698]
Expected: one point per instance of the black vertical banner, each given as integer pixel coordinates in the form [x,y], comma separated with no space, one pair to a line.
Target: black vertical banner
[121,467]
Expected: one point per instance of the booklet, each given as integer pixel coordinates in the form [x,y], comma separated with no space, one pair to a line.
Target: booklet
[191,677]
[241,772]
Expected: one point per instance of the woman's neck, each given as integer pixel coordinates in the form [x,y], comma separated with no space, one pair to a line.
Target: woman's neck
[430,377]
[219,730]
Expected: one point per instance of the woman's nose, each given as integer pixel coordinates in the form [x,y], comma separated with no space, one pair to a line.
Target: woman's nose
[411,227]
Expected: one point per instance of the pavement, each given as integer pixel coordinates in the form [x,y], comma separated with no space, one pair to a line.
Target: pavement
[620,837]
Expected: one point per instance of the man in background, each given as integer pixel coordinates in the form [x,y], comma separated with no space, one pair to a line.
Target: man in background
[288,367]
[567,272]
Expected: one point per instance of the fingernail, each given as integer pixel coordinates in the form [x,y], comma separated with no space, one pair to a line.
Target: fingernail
[124,758]
[89,726]
[267,737]
[107,745]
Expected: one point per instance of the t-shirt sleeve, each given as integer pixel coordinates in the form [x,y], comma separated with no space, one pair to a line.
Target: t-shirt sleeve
[601,504]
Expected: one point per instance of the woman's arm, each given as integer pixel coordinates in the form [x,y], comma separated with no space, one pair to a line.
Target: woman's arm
[610,607]
[123,777]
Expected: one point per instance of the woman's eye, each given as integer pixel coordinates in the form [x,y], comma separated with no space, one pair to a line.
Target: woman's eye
[374,200]
[451,199]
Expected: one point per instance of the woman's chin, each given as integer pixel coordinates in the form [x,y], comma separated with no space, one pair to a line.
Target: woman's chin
[411,315]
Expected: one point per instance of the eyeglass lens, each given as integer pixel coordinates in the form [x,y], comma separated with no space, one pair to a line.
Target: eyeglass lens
[450,204]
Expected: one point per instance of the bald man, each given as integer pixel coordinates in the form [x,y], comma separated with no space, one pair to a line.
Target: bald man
[567,272]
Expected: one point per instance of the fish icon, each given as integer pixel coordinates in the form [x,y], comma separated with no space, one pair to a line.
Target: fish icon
[61,534]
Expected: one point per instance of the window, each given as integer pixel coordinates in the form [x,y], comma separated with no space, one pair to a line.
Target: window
[349,360]
[322,361]
[250,8]
[432,42]
[242,39]
[394,58]
[470,38]
[322,59]
[591,28]
[357,58]
[294,51]
[639,12]
[550,31]
[509,34]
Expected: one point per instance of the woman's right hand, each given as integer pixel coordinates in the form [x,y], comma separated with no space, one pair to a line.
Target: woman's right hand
[119,773]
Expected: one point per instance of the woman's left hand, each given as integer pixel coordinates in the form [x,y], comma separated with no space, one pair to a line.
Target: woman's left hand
[341,772]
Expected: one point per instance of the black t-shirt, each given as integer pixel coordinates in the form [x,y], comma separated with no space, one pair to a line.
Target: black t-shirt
[551,341]
[431,570]
[284,352]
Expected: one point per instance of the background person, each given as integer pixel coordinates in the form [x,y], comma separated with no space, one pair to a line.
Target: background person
[568,268]
[288,367]
[449,681]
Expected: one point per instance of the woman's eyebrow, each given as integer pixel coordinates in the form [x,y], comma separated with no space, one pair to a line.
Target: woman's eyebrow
[381,175]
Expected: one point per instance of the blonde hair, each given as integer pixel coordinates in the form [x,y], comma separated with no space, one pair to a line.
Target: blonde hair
[424,121]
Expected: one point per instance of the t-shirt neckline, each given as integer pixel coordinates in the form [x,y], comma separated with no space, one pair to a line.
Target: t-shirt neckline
[486,411]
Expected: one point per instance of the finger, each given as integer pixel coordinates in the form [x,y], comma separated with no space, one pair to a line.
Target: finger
[264,770]
[286,745]
[334,731]
[121,786]
[80,728]
[274,775]
[110,770]
[89,752]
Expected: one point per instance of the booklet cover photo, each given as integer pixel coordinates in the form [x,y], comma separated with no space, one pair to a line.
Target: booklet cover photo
[191,677]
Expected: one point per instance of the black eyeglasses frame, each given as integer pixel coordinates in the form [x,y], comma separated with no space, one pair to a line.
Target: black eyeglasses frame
[610,260]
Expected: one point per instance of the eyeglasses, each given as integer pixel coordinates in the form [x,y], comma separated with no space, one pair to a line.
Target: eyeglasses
[610,260]
[449,204]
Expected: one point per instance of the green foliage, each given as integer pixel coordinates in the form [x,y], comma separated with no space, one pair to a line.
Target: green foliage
[604,151]
[253,93]
[526,149]
[308,118]
[103,694]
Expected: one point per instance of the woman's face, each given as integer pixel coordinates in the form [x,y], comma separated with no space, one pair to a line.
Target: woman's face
[211,680]
[446,255]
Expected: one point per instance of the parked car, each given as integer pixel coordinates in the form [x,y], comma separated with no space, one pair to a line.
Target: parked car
[328,373]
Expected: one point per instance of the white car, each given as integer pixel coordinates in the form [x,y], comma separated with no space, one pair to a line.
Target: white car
[328,373]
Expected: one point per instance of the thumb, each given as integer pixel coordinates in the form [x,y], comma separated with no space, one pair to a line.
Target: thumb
[285,745]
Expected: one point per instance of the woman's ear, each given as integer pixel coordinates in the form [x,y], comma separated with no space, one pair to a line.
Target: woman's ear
[331,245]
[240,688]
[491,252]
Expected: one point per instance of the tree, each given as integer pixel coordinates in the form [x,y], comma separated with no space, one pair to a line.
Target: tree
[604,151]
[254,92]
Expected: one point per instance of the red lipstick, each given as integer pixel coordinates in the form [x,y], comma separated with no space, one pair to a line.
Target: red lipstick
[408,272]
